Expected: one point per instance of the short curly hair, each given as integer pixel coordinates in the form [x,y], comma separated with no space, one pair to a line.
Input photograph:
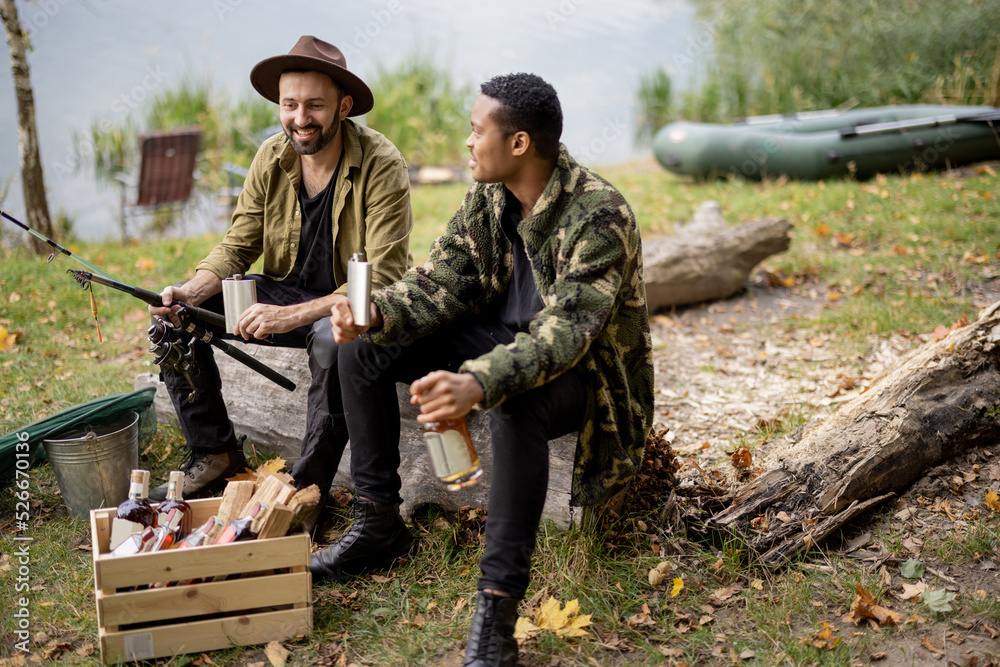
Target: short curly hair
[528,104]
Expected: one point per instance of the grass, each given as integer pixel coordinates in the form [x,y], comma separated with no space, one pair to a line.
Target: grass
[902,254]
[424,112]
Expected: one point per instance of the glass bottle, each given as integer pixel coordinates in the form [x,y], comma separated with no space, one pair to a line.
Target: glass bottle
[180,519]
[452,453]
[240,529]
[163,537]
[134,543]
[136,507]
[197,537]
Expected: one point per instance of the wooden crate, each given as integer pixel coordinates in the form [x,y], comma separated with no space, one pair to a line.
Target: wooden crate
[273,601]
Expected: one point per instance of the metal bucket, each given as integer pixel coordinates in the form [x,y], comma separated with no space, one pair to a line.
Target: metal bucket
[92,463]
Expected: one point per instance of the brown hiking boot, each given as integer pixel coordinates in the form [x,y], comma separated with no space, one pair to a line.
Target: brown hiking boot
[205,473]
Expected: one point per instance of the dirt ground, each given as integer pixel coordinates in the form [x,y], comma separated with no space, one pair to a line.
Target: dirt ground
[726,367]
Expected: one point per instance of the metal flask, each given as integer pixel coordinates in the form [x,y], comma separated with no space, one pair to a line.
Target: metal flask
[237,295]
[359,288]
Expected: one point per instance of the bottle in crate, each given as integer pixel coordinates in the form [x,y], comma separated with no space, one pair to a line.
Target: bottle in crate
[135,513]
[242,528]
[175,512]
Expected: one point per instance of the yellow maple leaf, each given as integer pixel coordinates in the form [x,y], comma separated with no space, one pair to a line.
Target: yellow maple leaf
[565,621]
[992,499]
[576,628]
[7,340]
[550,615]
[277,464]
[678,587]
[525,629]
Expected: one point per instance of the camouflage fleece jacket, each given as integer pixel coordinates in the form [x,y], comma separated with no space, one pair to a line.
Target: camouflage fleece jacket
[584,247]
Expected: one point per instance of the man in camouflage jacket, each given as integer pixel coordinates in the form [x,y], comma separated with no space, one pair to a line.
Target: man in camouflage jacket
[531,306]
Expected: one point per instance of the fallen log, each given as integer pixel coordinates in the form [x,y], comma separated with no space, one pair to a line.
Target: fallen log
[707,259]
[939,401]
[274,421]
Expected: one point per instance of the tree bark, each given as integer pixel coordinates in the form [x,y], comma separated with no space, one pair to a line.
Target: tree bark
[32,180]
[941,400]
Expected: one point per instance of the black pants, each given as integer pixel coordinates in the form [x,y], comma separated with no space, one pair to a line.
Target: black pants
[206,424]
[521,428]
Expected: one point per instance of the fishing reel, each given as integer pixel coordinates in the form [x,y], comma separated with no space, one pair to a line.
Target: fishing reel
[173,350]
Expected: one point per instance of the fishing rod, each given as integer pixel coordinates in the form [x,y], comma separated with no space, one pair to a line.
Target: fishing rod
[55,246]
[166,340]
[84,278]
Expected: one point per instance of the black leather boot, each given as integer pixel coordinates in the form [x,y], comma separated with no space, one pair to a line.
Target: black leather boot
[491,637]
[377,537]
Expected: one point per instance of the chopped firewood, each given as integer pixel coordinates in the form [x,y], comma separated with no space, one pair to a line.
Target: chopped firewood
[302,505]
[275,522]
[307,496]
[234,499]
[272,489]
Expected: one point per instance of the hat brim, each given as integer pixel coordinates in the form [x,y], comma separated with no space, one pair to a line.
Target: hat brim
[265,75]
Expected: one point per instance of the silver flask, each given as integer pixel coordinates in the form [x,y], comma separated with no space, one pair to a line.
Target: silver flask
[359,288]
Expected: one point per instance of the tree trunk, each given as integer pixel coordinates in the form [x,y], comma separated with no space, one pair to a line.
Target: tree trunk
[941,400]
[32,180]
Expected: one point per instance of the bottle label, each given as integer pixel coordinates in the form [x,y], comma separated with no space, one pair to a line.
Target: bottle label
[135,489]
[449,453]
[121,529]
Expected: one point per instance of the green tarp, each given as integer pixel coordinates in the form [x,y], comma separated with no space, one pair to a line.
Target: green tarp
[97,410]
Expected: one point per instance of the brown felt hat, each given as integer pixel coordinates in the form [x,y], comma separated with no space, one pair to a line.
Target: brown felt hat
[313,55]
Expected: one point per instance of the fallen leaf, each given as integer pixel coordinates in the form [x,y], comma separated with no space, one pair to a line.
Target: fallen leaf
[911,591]
[643,619]
[277,464]
[565,621]
[741,458]
[7,340]
[992,499]
[939,600]
[929,645]
[678,587]
[525,630]
[276,654]
[721,595]
[144,263]
[824,637]
[757,584]
[865,607]
[913,545]
[912,569]
[747,654]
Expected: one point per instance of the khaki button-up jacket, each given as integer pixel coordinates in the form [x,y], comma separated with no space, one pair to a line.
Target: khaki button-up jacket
[371,211]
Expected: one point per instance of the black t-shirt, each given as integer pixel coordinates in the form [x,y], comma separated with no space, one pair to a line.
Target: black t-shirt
[521,302]
[314,261]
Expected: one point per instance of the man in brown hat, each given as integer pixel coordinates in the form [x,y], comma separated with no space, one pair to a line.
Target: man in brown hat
[317,193]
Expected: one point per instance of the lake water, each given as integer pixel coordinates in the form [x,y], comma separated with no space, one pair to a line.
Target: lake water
[103,58]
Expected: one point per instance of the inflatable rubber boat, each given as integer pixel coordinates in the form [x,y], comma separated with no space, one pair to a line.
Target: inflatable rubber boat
[823,144]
